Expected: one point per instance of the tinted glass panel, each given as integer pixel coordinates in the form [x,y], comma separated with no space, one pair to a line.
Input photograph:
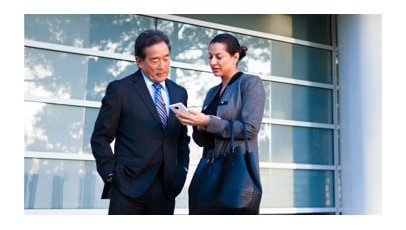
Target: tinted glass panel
[264,56]
[189,42]
[285,188]
[301,62]
[294,102]
[71,76]
[196,83]
[56,184]
[54,74]
[58,128]
[102,71]
[113,32]
[315,27]
[264,143]
[302,145]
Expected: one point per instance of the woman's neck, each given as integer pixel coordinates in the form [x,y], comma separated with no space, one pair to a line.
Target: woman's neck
[226,79]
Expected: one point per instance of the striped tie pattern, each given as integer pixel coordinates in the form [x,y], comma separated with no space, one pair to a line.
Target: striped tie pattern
[160,104]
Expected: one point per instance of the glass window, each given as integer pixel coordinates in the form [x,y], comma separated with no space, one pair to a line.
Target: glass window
[264,143]
[88,126]
[58,128]
[113,33]
[264,56]
[56,184]
[72,30]
[315,28]
[102,71]
[285,188]
[301,103]
[54,74]
[299,145]
[268,96]
[301,62]
[71,76]
[196,151]
[196,83]
[302,145]
[259,55]
[189,43]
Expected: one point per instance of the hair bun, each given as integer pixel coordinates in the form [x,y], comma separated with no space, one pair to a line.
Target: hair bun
[243,52]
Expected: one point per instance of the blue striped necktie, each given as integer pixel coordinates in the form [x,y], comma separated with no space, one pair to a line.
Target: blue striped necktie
[160,104]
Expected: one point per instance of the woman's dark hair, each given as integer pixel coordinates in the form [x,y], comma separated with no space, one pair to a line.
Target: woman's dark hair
[149,38]
[232,44]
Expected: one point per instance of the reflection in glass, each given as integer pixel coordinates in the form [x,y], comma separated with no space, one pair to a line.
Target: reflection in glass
[189,43]
[55,184]
[113,33]
[264,56]
[302,145]
[264,143]
[53,128]
[285,188]
[196,151]
[301,103]
[71,76]
[196,83]
[311,27]
[58,128]
[54,74]
[102,71]
[259,55]
[301,62]
[72,30]
[88,126]
[268,96]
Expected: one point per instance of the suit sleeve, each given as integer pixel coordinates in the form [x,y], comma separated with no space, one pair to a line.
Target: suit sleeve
[105,130]
[252,111]
[183,143]
[199,137]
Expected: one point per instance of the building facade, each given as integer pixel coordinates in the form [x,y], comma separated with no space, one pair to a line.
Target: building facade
[70,59]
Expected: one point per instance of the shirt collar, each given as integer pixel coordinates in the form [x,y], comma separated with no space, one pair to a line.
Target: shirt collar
[150,83]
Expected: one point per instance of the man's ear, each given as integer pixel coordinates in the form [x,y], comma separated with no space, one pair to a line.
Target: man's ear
[138,60]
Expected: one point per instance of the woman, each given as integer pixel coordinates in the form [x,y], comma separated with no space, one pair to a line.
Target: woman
[239,98]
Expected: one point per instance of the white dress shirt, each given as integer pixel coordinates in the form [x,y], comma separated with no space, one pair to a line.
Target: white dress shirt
[164,91]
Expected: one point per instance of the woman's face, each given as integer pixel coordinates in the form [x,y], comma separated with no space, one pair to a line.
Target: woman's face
[221,62]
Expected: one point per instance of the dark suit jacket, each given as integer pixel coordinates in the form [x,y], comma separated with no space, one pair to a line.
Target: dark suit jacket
[129,116]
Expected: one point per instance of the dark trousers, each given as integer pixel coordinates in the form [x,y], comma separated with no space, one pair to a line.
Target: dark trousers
[154,201]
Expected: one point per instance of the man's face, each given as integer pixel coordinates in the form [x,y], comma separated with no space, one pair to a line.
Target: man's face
[156,62]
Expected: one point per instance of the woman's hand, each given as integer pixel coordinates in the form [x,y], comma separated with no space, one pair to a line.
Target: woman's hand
[198,119]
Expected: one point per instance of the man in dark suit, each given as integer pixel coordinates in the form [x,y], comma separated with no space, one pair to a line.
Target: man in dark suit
[151,152]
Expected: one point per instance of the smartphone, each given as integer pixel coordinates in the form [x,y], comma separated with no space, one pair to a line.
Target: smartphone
[179,107]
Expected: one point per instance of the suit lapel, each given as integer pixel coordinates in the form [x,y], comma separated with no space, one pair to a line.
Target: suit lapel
[210,96]
[142,90]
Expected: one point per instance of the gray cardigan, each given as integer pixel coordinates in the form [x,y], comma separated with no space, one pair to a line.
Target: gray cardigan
[242,101]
